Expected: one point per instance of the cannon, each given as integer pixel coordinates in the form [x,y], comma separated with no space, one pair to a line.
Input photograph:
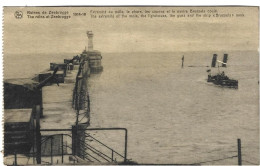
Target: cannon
[68,61]
[52,78]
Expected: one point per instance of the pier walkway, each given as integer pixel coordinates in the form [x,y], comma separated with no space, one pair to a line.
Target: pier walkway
[57,104]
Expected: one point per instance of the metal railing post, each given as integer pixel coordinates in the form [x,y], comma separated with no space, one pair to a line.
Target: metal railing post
[62,148]
[239,156]
[74,140]
[15,158]
[38,135]
[125,145]
[112,155]
[51,150]
[33,144]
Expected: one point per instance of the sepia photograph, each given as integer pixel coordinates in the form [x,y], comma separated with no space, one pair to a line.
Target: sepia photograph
[131,85]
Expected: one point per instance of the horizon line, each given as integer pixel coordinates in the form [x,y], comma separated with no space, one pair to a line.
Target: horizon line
[137,51]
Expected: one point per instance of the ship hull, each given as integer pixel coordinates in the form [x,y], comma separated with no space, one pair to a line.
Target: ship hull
[223,81]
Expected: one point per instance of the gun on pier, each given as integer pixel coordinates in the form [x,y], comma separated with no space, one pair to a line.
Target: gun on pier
[50,78]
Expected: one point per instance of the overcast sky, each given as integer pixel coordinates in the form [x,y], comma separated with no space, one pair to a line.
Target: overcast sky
[129,35]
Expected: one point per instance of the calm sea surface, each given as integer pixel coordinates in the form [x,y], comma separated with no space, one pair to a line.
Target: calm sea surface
[172,115]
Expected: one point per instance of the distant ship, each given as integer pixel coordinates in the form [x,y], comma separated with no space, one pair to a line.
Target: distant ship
[223,80]
[220,78]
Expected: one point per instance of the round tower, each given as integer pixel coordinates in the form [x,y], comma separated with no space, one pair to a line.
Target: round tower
[90,40]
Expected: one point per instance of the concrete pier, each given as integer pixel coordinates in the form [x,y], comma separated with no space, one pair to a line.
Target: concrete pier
[58,109]
[56,98]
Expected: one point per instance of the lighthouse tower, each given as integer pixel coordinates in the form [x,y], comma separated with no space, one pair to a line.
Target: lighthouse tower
[90,40]
[93,57]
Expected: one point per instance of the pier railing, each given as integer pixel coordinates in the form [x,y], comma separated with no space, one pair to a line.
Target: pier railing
[113,157]
[70,147]
[59,146]
[80,101]
[51,149]
[61,151]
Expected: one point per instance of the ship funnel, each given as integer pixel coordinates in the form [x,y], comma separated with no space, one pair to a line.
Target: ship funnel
[214,59]
[225,58]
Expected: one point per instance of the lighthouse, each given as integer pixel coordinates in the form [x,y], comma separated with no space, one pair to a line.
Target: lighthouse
[90,40]
[92,56]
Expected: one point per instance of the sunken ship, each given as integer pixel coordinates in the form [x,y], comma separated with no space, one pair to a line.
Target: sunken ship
[221,79]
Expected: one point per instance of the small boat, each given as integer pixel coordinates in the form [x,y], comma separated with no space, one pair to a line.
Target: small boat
[223,80]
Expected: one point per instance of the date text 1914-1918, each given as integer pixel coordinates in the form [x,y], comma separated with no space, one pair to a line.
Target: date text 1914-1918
[79,14]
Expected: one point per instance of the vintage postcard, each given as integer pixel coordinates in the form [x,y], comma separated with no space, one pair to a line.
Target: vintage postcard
[131,85]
